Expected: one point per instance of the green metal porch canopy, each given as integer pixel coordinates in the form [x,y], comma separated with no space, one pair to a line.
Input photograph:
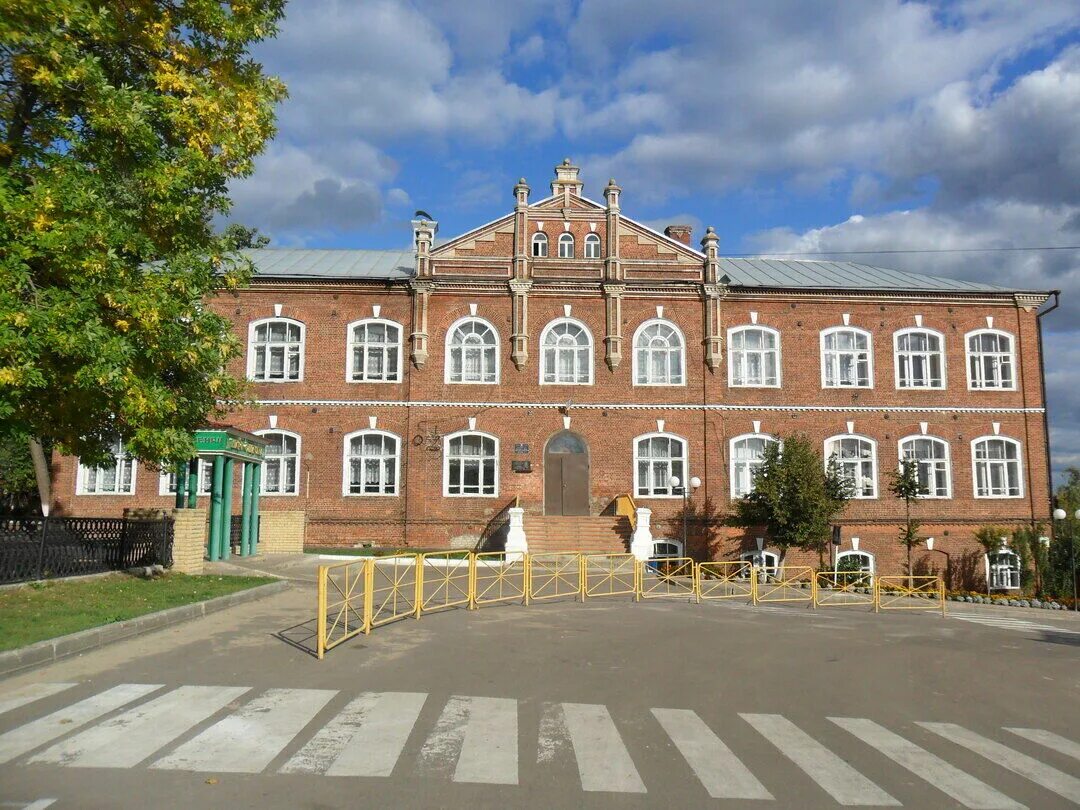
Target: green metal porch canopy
[224,447]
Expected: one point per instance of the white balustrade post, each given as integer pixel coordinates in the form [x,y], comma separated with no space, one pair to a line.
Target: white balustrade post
[641,544]
[516,544]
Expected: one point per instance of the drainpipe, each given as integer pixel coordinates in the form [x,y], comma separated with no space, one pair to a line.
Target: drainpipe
[1042,384]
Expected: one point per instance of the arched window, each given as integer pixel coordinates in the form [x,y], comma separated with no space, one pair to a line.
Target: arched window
[472,352]
[747,455]
[470,465]
[374,351]
[753,357]
[540,245]
[566,246]
[856,568]
[846,359]
[567,351]
[372,462]
[1003,570]
[765,560]
[920,358]
[657,458]
[167,484]
[666,548]
[276,350]
[931,458]
[996,461]
[592,246]
[659,354]
[855,458]
[281,463]
[991,361]
[115,478]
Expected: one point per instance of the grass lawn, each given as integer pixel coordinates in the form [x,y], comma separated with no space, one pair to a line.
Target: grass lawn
[382,552]
[46,610]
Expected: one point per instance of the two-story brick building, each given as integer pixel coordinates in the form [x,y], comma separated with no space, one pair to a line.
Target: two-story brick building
[565,354]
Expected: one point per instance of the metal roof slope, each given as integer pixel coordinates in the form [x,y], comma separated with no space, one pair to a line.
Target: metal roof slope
[331,264]
[804,273]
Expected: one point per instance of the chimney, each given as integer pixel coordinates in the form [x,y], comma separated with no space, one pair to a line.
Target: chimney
[680,233]
[566,179]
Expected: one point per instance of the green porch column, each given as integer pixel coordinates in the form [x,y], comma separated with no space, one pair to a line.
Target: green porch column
[256,484]
[215,508]
[193,483]
[181,485]
[245,510]
[226,510]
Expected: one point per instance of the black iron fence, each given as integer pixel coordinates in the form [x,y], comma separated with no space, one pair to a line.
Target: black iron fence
[46,548]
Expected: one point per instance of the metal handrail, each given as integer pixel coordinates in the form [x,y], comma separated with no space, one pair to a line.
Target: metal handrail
[493,525]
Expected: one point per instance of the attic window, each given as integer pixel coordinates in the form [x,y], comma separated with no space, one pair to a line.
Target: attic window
[592,246]
[540,245]
[566,246]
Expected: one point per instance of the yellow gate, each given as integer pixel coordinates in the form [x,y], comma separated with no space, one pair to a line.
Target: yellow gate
[788,583]
[666,576]
[442,580]
[609,575]
[909,593]
[392,583]
[554,574]
[342,603]
[725,580]
[498,577]
[843,589]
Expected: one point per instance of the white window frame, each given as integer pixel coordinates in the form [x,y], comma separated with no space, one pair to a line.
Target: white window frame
[991,567]
[685,459]
[539,240]
[448,349]
[968,354]
[1019,467]
[252,326]
[346,460]
[635,367]
[351,345]
[666,541]
[853,553]
[592,246]
[869,357]
[907,354]
[299,463]
[731,355]
[446,465]
[120,457]
[753,557]
[873,461]
[732,477]
[206,468]
[544,349]
[566,238]
[948,462]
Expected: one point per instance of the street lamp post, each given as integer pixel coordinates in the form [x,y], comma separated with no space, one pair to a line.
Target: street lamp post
[1061,514]
[695,482]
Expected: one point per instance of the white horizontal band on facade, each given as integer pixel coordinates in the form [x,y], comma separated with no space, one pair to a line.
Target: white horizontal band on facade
[588,406]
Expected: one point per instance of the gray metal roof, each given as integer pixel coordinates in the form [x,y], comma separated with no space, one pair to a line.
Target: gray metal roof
[760,272]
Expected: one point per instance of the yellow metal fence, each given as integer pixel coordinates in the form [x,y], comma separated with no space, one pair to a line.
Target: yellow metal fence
[357,596]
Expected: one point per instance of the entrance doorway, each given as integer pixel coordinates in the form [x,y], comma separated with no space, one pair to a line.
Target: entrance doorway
[566,475]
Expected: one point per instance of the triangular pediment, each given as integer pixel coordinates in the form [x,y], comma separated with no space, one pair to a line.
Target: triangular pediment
[486,235]
[665,246]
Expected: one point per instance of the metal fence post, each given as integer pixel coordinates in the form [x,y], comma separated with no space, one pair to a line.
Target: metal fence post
[321,631]
[41,548]
[418,585]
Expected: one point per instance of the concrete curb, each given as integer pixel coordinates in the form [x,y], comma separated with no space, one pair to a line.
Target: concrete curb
[53,649]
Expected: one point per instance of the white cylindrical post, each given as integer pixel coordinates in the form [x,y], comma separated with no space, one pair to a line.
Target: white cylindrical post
[641,544]
[516,543]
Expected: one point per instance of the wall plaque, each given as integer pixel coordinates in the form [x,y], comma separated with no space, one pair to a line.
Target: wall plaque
[520,447]
[521,466]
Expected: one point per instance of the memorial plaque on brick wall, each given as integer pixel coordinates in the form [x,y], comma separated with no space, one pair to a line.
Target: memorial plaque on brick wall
[521,448]
[521,466]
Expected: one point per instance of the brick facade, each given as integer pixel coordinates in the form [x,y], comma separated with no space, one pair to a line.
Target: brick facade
[491,272]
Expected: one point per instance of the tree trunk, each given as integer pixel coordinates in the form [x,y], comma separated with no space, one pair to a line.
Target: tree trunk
[41,473]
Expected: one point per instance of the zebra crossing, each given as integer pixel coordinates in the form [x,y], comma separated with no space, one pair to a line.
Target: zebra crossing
[1009,623]
[477,740]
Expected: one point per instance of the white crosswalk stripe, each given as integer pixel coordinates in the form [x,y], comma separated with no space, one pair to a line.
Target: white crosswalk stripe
[603,762]
[129,738]
[1049,739]
[1010,623]
[247,740]
[24,695]
[845,784]
[1030,768]
[966,789]
[477,739]
[365,739]
[35,734]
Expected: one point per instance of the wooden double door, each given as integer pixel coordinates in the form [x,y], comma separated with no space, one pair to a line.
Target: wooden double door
[566,475]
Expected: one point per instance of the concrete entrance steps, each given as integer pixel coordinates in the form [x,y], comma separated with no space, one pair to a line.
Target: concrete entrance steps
[603,534]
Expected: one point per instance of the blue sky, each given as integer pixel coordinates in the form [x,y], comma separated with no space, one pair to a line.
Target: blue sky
[789,126]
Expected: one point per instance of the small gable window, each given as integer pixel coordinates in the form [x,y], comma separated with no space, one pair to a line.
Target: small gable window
[592,246]
[566,246]
[540,245]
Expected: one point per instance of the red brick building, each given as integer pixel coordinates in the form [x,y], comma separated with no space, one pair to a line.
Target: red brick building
[565,354]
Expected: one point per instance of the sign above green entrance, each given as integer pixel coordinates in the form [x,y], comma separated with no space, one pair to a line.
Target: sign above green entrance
[231,443]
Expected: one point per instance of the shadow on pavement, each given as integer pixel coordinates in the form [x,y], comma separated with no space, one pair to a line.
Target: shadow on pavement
[1068,639]
[303,636]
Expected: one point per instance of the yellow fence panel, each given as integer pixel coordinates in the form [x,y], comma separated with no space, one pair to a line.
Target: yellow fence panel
[909,593]
[844,589]
[443,580]
[788,583]
[666,577]
[725,580]
[498,577]
[392,583]
[342,603]
[553,575]
[609,575]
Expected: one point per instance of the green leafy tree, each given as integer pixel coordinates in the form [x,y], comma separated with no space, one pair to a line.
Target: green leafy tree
[991,538]
[795,498]
[121,125]
[1063,556]
[1027,541]
[906,486]
[240,237]
[16,475]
